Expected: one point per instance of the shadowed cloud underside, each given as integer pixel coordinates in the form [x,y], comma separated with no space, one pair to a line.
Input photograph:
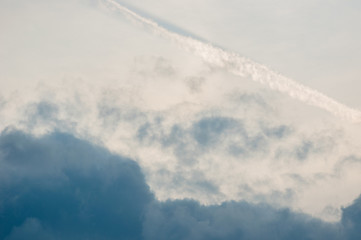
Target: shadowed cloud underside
[61,187]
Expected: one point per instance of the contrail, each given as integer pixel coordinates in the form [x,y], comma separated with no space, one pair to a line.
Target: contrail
[244,67]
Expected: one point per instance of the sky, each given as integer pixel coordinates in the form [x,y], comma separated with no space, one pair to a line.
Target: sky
[180,119]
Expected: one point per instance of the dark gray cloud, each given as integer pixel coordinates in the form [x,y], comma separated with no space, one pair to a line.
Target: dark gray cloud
[30,229]
[351,220]
[194,182]
[187,219]
[60,187]
[69,187]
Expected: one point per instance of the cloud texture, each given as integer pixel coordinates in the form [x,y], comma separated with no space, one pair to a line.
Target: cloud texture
[58,186]
[195,130]
[67,188]
[241,66]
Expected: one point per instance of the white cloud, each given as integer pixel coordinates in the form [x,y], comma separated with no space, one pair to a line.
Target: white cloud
[315,42]
[75,67]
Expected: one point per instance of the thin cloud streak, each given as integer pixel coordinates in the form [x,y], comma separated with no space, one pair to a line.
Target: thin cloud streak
[244,67]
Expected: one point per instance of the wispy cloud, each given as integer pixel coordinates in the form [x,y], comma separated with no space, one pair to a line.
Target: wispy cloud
[244,67]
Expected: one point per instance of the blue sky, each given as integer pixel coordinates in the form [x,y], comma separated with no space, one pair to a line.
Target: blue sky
[111,128]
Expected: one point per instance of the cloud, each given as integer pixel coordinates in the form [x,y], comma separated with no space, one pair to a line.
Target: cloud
[243,67]
[351,219]
[30,229]
[232,220]
[208,133]
[302,40]
[196,131]
[69,187]
[58,186]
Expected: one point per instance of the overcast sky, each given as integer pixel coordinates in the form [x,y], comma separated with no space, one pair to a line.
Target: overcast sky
[314,42]
[87,90]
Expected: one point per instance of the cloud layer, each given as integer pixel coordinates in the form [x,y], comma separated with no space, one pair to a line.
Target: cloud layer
[241,66]
[67,188]
[58,186]
[195,130]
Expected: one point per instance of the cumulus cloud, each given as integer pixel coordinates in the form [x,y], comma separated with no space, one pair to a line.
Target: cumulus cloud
[195,130]
[232,220]
[58,186]
[351,219]
[30,229]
